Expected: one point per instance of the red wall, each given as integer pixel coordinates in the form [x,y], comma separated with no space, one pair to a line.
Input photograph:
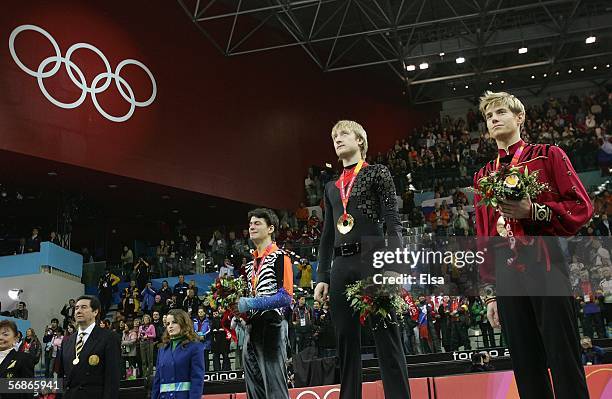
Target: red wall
[244,128]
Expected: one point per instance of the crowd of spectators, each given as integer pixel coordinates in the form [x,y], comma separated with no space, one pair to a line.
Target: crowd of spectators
[444,154]
[441,156]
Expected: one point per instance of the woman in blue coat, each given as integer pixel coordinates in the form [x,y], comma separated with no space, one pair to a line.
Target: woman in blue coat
[180,361]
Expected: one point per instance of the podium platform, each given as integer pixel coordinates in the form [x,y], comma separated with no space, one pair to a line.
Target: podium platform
[492,385]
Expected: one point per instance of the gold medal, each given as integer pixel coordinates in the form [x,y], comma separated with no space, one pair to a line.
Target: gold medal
[94,360]
[501,227]
[345,224]
[75,361]
[346,221]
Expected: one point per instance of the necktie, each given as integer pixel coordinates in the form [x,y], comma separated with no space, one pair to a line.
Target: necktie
[79,345]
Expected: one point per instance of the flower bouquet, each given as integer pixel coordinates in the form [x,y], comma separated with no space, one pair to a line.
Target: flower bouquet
[226,291]
[508,182]
[369,299]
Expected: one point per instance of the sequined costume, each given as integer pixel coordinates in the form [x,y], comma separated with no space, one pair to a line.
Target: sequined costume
[371,201]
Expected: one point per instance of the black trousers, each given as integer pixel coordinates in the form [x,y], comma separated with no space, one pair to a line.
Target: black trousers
[389,348]
[488,335]
[538,316]
[542,333]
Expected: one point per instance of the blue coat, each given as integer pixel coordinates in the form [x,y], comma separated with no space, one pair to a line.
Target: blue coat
[181,365]
[148,298]
[204,332]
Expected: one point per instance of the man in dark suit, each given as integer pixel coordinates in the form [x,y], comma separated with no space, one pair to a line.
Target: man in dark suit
[33,243]
[90,359]
[603,228]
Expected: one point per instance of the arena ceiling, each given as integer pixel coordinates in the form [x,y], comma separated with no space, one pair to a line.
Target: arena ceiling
[395,36]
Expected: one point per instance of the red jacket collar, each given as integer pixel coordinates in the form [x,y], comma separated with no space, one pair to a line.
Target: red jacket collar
[511,150]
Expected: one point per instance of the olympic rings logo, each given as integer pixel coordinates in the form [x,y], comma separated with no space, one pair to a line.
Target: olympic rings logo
[79,81]
[315,395]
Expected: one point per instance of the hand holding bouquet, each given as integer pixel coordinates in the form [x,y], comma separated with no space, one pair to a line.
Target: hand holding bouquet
[509,183]
[369,299]
[226,291]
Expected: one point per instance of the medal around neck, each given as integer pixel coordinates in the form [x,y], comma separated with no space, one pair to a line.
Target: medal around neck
[75,361]
[345,223]
[501,227]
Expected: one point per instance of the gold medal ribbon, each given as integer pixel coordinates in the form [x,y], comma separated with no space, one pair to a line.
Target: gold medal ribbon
[503,227]
[345,194]
[257,267]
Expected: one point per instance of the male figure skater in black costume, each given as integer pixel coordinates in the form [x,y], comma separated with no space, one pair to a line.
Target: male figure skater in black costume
[355,207]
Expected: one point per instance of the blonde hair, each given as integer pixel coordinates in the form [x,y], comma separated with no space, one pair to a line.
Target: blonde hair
[357,129]
[502,98]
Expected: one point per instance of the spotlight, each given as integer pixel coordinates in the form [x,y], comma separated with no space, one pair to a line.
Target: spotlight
[460,60]
[607,65]
[467,86]
[581,69]
[454,89]
[14,294]
[442,54]
[490,83]
[3,194]
[424,65]
[545,75]
[410,67]
[595,67]
[569,71]
[532,76]
[590,40]
[503,81]
[522,50]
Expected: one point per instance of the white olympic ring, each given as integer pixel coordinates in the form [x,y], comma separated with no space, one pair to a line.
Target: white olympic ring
[79,80]
[316,395]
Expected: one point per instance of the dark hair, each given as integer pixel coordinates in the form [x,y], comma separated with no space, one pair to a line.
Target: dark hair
[477,358]
[54,320]
[266,214]
[94,302]
[10,325]
[187,331]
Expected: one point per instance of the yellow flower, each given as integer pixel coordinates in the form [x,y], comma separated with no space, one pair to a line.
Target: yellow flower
[511,181]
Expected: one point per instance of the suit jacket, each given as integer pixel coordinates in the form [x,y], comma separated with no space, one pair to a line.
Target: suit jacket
[97,374]
[603,230]
[17,365]
[183,364]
